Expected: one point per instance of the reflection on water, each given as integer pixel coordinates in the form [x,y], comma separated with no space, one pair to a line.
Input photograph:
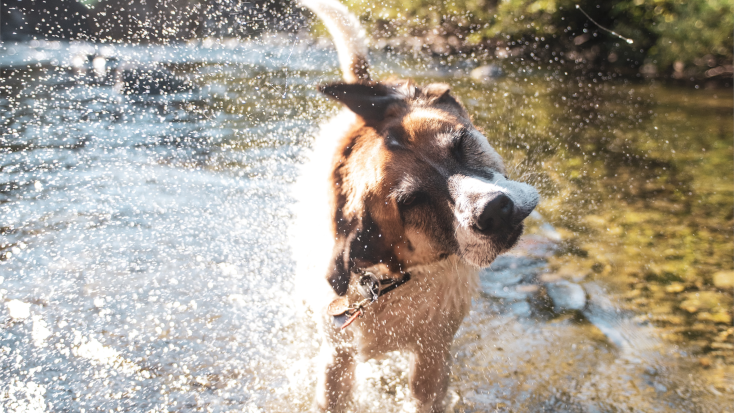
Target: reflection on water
[143,263]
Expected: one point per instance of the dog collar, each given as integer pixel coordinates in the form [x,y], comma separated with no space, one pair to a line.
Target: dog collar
[371,288]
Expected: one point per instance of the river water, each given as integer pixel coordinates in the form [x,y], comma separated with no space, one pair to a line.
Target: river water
[144,262]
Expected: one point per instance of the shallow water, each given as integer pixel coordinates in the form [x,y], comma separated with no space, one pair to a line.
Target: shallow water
[144,265]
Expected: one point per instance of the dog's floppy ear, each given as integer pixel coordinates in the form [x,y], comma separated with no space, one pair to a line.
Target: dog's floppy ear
[439,93]
[359,244]
[368,100]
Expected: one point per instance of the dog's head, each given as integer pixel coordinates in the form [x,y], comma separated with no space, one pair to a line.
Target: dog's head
[415,182]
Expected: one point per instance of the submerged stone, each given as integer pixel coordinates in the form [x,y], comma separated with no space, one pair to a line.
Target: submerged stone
[724,279]
[507,275]
[566,296]
[521,308]
[675,287]
[721,317]
[705,301]
[486,73]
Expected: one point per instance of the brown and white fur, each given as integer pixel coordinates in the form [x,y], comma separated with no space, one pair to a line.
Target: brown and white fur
[399,181]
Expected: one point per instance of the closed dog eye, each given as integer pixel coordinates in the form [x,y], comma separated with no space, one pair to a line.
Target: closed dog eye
[413,199]
[458,145]
[465,149]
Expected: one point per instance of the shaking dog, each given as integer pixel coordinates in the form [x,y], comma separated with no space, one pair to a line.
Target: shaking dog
[402,202]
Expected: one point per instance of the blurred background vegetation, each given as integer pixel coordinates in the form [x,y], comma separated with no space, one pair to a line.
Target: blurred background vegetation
[679,38]
[676,39]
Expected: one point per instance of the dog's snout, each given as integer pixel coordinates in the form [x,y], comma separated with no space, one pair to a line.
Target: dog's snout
[492,208]
[496,214]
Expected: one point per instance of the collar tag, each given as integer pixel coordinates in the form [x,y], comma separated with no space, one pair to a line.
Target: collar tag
[338,306]
[371,288]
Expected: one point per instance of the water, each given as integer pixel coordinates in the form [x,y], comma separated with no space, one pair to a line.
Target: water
[143,256]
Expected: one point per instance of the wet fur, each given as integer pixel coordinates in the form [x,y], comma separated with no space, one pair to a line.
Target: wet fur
[395,183]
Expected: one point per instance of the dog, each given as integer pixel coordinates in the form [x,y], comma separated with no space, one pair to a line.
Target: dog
[401,203]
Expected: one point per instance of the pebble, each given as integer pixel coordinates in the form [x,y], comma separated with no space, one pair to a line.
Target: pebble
[521,309]
[566,296]
[705,301]
[548,278]
[527,288]
[724,279]
[486,73]
[675,287]
[721,317]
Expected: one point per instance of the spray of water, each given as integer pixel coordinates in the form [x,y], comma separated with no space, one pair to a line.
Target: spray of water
[630,41]
[144,206]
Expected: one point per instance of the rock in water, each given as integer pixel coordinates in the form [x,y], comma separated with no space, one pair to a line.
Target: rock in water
[486,73]
[705,301]
[566,296]
[724,279]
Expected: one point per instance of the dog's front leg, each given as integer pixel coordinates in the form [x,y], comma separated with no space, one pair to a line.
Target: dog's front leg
[336,379]
[429,377]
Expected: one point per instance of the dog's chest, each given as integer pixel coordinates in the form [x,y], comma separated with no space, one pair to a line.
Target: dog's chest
[432,304]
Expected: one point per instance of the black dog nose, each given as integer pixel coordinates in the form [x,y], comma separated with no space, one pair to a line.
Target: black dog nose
[497,213]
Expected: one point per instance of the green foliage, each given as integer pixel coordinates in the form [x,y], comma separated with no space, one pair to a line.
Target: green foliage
[697,34]
[692,32]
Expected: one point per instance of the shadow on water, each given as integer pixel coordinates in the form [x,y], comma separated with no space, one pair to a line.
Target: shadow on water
[143,262]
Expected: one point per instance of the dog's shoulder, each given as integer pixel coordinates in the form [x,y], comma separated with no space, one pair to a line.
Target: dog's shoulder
[311,236]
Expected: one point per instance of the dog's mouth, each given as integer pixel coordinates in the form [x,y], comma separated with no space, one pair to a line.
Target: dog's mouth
[507,237]
[480,249]
[509,240]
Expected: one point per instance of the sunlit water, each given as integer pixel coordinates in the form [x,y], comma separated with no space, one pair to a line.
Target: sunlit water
[143,257]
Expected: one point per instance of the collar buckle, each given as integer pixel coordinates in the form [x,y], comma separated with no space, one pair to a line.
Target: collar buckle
[371,288]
